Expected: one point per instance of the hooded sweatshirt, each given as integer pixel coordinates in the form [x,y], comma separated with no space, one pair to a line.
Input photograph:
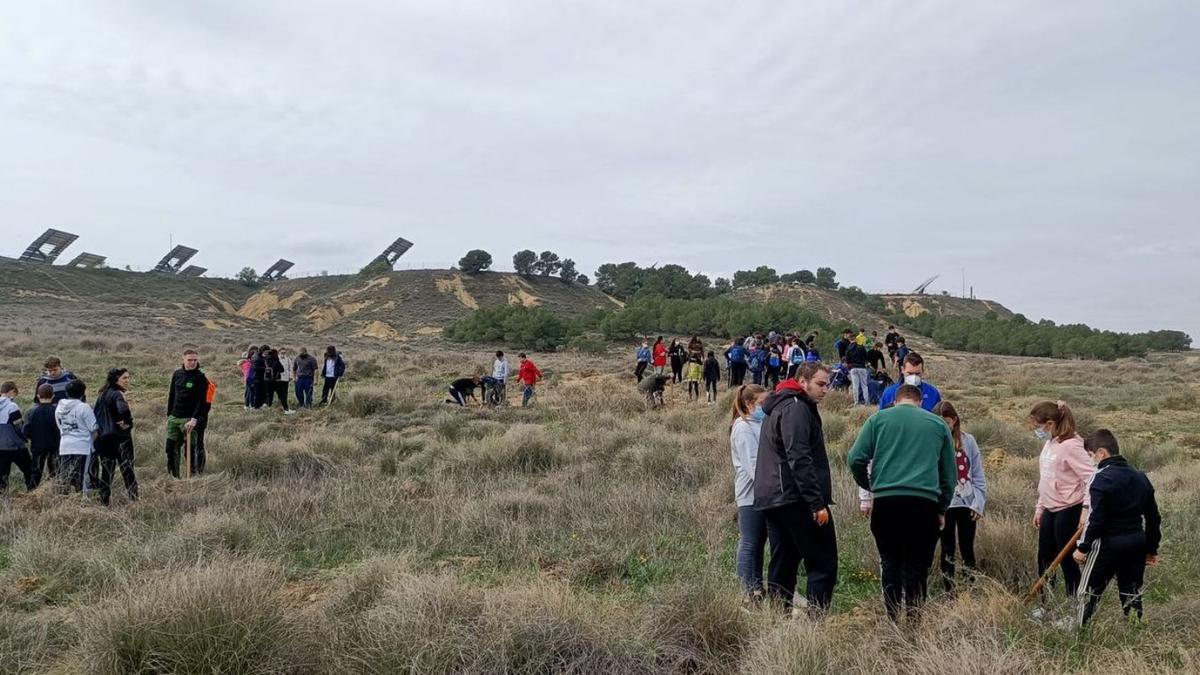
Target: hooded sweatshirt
[743,447]
[76,422]
[11,437]
[792,465]
[1065,470]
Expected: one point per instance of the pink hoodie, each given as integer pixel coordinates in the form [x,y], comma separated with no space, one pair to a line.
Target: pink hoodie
[1066,472]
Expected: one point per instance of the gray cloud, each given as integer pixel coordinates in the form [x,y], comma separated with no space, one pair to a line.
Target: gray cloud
[1049,149]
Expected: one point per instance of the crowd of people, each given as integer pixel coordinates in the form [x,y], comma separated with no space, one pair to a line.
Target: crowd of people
[495,386]
[83,446]
[767,359]
[921,480]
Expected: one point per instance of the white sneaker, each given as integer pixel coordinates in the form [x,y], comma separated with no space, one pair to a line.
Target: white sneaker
[289,412]
[1038,614]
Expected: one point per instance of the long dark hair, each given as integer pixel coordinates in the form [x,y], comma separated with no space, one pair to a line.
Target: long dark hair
[110,381]
[331,352]
[945,410]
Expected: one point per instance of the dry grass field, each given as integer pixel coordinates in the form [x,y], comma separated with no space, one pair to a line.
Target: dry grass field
[394,533]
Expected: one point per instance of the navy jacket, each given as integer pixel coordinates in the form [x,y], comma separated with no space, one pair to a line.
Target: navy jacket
[41,428]
[1122,498]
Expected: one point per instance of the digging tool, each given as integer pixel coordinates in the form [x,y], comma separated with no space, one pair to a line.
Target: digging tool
[1062,555]
[187,454]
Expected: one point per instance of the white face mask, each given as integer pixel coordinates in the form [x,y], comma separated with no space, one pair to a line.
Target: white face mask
[914,380]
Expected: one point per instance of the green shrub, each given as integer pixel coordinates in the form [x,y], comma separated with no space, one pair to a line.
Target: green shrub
[367,401]
[514,325]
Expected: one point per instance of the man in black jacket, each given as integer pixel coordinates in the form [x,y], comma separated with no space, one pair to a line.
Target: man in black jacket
[1114,542]
[856,357]
[188,401]
[792,488]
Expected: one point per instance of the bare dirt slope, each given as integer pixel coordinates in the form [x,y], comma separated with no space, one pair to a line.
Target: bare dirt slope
[840,309]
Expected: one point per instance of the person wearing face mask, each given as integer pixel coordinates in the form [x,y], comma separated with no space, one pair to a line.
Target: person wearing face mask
[793,490]
[1063,500]
[913,373]
[743,445]
[643,360]
[1123,530]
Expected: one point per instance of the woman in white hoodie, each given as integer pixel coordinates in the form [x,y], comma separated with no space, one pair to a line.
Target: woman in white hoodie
[743,447]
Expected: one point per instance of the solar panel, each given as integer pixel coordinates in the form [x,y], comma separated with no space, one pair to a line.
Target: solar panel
[398,248]
[88,261]
[175,260]
[275,272]
[193,271]
[46,248]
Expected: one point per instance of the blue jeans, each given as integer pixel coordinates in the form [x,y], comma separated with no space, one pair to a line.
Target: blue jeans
[249,396]
[304,392]
[752,539]
[526,395]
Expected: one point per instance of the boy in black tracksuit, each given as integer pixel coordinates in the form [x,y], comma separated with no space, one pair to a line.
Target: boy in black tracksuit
[712,375]
[793,490]
[1115,543]
[42,431]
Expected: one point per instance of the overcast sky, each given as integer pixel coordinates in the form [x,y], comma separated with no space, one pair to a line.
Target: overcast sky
[1051,149]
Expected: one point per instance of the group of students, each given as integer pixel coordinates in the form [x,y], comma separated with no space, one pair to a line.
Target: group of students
[268,375]
[921,480]
[495,386]
[82,446]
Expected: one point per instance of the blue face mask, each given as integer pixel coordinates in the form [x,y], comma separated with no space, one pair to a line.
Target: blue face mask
[1042,434]
[758,415]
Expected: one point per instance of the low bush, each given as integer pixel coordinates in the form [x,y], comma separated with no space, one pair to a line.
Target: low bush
[366,401]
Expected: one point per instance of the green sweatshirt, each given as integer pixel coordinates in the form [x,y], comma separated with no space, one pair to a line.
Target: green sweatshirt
[910,453]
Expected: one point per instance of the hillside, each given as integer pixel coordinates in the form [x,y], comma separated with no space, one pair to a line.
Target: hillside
[56,299]
[839,308]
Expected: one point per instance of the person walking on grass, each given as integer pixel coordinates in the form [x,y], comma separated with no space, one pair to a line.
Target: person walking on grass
[756,362]
[1065,469]
[55,376]
[528,375]
[856,359]
[643,356]
[42,431]
[735,356]
[1123,529]
[77,433]
[793,490]
[970,497]
[678,356]
[187,402]
[913,374]
[891,340]
[114,439]
[332,370]
[12,439]
[659,355]
[246,365]
[693,372]
[876,360]
[910,455]
[305,371]
[744,431]
[712,375]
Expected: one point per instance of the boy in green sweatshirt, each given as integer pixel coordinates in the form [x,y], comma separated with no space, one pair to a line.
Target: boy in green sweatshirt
[910,455]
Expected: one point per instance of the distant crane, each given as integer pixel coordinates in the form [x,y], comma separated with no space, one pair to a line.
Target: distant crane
[920,290]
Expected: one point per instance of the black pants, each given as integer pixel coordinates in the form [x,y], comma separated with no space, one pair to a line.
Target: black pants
[693,390]
[792,368]
[1122,556]
[772,378]
[1057,529]
[710,388]
[640,371]
[906,533]
[20,457]
[277,389]
[756,377]
[261,387]
[958,533]
[44,463]
[737,373]
[795,538]
[113,452]
[327,388]
[676,369]
[70,471]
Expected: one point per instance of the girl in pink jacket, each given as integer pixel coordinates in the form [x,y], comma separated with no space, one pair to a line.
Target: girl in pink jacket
[1062,503]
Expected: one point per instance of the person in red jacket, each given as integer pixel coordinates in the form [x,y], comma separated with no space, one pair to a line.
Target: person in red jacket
[528,374]
[660,356]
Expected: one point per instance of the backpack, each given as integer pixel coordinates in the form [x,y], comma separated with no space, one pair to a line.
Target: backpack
[773,361]
[797,356]
[756,360]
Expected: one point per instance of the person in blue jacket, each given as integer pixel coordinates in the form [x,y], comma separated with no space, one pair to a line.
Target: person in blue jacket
[643,360]
[735,356]
[912,372]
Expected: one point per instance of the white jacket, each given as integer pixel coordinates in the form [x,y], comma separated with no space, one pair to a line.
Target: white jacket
[743,447]
[500,369]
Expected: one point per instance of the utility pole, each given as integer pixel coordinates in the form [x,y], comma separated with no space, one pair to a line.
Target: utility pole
[964,282]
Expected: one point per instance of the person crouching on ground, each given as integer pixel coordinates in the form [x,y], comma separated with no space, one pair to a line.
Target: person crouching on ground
[744,430]
[910,453]
[463,388]
[1123,529]
[793,490]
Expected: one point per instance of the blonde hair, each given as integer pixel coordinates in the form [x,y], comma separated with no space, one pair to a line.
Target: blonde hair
[743,403]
